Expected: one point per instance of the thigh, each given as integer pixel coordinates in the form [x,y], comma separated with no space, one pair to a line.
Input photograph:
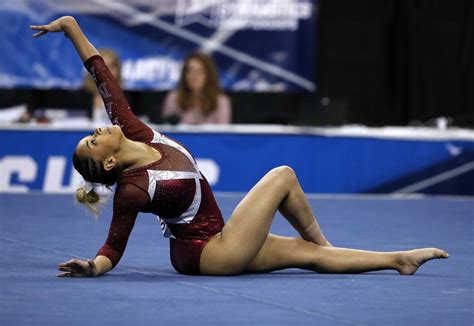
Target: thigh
[283,252]
[276,253]
[243,235]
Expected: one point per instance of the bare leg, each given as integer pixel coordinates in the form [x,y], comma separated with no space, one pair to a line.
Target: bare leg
[281,252]
[246,231]
[240,246]
[297,210]
[291,202]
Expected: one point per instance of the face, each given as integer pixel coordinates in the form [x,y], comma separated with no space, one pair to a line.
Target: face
[195,75]
[101,144]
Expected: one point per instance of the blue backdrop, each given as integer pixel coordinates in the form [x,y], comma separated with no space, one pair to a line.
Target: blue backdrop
[258,46]
[40,160]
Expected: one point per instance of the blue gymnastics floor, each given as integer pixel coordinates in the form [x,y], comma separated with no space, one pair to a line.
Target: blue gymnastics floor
[39,231]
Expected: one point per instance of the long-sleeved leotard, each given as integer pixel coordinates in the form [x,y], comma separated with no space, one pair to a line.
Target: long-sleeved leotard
[172,188]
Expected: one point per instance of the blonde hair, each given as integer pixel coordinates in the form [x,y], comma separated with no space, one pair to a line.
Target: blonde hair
[91,200]
[100,179]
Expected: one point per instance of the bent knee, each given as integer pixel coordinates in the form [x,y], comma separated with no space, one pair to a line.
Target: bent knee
[283,174]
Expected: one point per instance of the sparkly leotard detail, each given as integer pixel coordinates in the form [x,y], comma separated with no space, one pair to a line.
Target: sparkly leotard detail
[172,188]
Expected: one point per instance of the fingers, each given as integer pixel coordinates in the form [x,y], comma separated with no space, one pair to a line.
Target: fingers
[69,263]
[73,268]
[43,29]
[66,274]
[39,27]
[64,268]
[70,274]
[36,35]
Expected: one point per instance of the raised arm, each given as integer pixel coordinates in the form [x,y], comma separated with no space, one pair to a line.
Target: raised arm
[71,29]
[116,104]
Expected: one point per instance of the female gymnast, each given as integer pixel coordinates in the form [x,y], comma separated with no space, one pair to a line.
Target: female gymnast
[155,174]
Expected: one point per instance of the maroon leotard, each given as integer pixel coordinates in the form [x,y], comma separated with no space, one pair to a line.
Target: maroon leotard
[172,188]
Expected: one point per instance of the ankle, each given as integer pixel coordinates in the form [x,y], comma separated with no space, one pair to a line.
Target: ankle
[399,260]
[313,234]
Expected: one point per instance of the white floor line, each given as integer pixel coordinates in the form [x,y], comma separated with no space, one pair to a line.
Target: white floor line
[437,178]
[264,301]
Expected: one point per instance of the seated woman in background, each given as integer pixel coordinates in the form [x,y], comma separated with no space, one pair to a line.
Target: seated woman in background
[112,60]
[198,99]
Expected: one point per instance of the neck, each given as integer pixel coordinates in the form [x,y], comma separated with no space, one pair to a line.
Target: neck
[134,154]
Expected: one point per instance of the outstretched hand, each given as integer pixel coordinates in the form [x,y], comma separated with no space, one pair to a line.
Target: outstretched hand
[77,268]
[57,25]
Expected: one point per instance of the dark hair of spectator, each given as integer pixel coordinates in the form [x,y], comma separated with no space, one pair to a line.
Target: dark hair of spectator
[211,89]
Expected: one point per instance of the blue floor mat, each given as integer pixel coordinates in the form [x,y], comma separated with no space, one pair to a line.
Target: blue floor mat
[39,231]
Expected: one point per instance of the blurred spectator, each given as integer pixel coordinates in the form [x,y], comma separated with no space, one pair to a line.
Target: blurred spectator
[198,98]
[99,115]
[25,117]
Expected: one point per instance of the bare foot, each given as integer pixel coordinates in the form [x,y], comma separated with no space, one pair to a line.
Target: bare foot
[411,260]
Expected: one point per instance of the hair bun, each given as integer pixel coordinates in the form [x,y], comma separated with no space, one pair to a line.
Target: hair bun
[90,199]
[81,195]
